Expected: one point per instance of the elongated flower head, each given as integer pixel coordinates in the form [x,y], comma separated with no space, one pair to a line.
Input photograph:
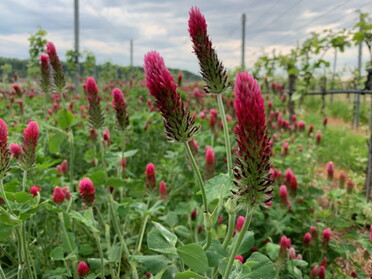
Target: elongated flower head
[318,137]
[44,70]
[122,119]
[178,123]
[34,190]
[209,162]
[342,180]
[82,269]
[4,151]
[87,191]
[30,138]
[307,239]
[58,195]
[15,150]
[96,118]
[239,223]
[150,176]
[163,190]
[17,90]
[212,70]
[326,235]
[252,165]
[59,77]
[330,170]
[239,258]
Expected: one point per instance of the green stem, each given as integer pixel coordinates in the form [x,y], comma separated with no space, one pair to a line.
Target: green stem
[64,231]
[20,254]
[142,232]
[197,175]
[100,255]
[230,230]
[208,241]
[72,155]
[2,274]
[2,191]
[26,251]
[247,222]
[226,135]
[24,181]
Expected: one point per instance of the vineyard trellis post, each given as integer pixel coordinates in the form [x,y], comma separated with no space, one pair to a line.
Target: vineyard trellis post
[291,90]
[357,96]
[323,85]
[368,182]
[76,31]
[333,74]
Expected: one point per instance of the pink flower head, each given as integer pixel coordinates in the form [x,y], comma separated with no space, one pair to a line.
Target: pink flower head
[314,271]
[163,190]
[283,194]
[285,243]
[292,253]
[4,151]
[15,150]
[254,151]
[58,195]
[17,90]
[301,125]
[209,162]
[193,215]
[330,170]
[123,163]
[321,272]
[349,186]
[239,258]
[178,123]
[179,79]
[63,167]
[59,78]
[342,179]
[194,146]
[325,121]
[288,176]
[318,137]
[313,232]
[239,223]
[122,118]
[30,138]
[307,239]
[106,137]
[44,70]
[82,269]
[65,191]
[34,190]
[212,70]
[311,129]
[96,118]
[150,176]
[293,185]
[326,234]
[285,148]
[87,191]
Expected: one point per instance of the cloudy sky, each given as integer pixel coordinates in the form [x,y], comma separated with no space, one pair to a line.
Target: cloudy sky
[108,26]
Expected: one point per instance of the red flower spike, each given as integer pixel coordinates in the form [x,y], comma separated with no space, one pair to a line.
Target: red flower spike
[326,236]
[209,162]
[239,223]
[178,123]
[87,191]
[349,186]
[318,137]
[65,191]
[283,195]
[163,190]
[106,137]
[321,272]
[96,118]
[212,70]
[193,215]
[307,239]
[150,176]
[342,180]
[330,170]
[58,195]
[82,269]
[44,70]
[240,258]
[59,77]
[34,190]
[30,138]
[4,151]
[119,105]
[252,165]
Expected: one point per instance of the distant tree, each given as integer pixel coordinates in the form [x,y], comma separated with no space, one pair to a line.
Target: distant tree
[37,46]
[6,69]
[108,71]
[71,65]
[89,63]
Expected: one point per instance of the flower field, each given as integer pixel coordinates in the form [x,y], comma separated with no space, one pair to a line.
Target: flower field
[160,177]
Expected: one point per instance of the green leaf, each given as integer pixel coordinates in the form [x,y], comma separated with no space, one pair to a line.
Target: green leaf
[300,263]
[86,250]
[218,186]
[188,275]
[113,253]
[65,118]
[264,269]
[55,142]
[57,254]
[272,250]
[130,153]
[194,256]
[115,182]
[152,263]
[162,240]
[247,243]
[5,231]
[86,220]
[97,177]
[215,253]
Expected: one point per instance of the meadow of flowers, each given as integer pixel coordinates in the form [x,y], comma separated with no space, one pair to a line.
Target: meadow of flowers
[161,179]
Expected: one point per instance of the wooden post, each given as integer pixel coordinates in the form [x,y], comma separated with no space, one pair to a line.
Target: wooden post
[323,85]
[368,182]
[291,90]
